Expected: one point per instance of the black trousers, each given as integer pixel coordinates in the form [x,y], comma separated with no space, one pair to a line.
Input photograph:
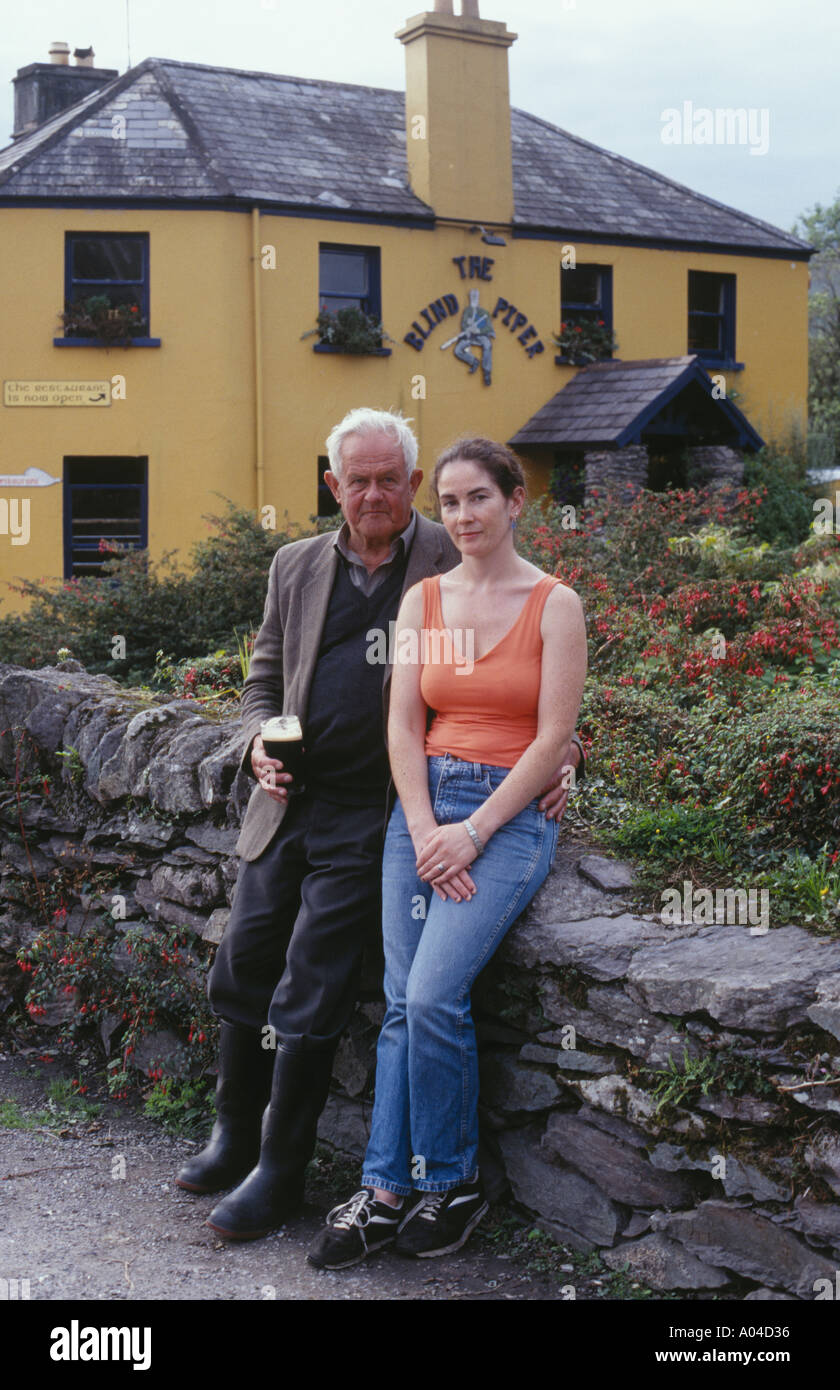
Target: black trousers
[302,915]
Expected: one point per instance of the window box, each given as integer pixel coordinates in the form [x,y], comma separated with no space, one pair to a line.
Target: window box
[561,361]
[97,342]
[350,330]
[369,352]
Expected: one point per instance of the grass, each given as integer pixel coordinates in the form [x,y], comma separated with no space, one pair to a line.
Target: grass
[184,1108]
[65,1105]
[678,1084]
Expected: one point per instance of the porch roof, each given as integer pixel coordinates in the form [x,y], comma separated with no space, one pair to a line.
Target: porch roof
[612,404]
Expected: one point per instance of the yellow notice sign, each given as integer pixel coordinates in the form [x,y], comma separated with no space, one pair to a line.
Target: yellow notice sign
[56,393]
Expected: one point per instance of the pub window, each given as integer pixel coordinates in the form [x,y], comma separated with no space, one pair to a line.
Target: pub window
[111,264]
[105,502]
[586,294]
[327,505]
[711,316]
[349,277]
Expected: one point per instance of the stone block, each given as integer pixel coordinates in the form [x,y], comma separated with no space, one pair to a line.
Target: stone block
[735,1238]
[664,1264]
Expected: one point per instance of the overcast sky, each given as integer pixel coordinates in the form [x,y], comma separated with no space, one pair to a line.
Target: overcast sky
[602,69]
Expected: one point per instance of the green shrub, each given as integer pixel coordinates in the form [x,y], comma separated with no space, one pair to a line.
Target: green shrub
[154,606]
[784,513]
[212,678]
[672,834]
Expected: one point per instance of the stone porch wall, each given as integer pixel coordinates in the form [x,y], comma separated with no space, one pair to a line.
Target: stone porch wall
[617,472]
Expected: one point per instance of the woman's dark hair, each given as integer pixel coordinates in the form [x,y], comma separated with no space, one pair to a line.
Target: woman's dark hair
[498,461]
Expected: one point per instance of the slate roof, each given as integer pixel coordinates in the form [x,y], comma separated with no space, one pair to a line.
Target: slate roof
[609,404]
[194,132]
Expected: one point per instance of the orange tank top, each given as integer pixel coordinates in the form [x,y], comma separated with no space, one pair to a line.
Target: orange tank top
[485,709]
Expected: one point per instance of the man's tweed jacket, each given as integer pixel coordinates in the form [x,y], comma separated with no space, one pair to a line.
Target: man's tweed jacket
[300,582]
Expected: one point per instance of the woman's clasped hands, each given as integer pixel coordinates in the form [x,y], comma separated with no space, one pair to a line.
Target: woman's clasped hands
[444,855]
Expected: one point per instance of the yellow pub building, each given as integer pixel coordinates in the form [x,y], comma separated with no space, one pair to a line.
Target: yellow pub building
[180,245]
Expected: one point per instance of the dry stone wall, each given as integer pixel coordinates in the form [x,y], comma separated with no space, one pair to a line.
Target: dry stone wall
[648,1089]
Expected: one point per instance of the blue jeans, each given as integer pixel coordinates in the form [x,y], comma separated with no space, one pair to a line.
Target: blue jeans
[424,1132]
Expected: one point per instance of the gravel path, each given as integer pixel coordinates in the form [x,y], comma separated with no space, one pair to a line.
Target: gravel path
[77,1230]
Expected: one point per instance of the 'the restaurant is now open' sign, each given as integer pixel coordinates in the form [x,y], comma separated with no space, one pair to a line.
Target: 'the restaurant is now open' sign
[56,393]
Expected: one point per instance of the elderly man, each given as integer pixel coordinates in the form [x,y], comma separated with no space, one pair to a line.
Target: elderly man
[308,891]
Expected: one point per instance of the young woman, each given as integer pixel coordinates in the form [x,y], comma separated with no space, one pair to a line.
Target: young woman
[474,725]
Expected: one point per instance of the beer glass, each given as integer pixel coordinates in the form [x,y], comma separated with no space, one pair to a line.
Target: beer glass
[282,738]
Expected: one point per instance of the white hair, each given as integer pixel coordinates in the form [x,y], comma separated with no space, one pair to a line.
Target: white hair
[365,420]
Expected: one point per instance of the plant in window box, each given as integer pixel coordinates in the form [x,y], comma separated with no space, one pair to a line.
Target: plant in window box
[589,340]
[349,330]
[98,318]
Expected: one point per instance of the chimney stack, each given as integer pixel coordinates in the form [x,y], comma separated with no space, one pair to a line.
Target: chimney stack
[459,151]
[44,89]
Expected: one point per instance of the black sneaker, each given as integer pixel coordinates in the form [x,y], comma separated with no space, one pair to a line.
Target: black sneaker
[443,1221]
[354,1230]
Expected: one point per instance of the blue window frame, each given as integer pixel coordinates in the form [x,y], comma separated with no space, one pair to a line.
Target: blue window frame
[105,499]
[586,294]
[327,505]
[711,316]
[349,276]
[111,263]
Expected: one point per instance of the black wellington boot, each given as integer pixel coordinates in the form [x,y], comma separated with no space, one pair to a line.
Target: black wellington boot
[274,1190]
[242,1091]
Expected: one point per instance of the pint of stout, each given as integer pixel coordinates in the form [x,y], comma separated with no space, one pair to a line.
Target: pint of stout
[282,738]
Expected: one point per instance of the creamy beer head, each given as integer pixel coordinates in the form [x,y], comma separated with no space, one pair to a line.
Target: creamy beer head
[282,728]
